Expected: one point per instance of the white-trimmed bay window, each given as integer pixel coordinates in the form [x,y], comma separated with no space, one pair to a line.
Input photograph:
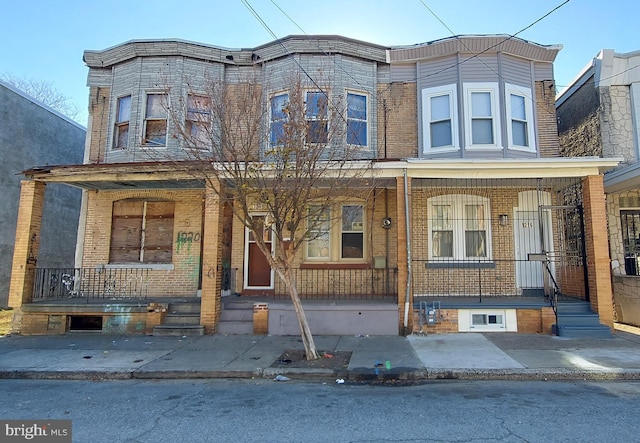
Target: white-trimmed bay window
[440,118]
[332,239]
[198,121]
[519,107]
[482,116]
[357,119]
[459,228]
[278,116]
[123,116]
[316,116]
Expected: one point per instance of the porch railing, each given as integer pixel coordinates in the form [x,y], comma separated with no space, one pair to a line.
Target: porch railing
[90,283]
[343,284]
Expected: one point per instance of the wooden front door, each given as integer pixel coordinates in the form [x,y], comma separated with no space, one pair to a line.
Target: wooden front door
[259,274]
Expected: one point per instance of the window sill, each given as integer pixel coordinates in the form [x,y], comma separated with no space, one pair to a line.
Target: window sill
[334,266]
[461,265]
[152,266]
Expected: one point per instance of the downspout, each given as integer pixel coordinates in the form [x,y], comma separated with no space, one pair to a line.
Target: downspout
[408,227]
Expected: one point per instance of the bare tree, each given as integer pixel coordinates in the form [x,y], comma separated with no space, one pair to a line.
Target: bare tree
[288,155]
[44,92]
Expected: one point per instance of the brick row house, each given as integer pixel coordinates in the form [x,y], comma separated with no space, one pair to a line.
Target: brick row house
[477,223]
[598,114]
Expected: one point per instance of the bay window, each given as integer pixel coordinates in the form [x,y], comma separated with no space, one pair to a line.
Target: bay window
[520,130]
[439,118]
[155,121]
[357,120]
[123,116]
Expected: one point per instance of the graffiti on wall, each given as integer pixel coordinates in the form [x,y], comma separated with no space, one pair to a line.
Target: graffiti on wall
[185,239]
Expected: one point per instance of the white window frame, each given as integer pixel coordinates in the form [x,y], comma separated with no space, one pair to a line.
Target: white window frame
[492,89]
[458,203]
[119,124]
[366,120]
[427,94]
[147,119]
[202,121]
[271,117]
[322,117]
[335,234]
[525,93]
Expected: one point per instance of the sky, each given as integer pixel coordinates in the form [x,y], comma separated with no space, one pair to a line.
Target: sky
[44,40]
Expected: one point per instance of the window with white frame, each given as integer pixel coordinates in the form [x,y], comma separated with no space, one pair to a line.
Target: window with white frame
[316,116]
[440,118]
[278,118]
[198,122]
[459,228]
[123,116]
[357,119]
[336,240]
[519,107]
[482,117]
[155,120]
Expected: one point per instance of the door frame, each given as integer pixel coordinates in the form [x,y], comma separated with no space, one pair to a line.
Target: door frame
[247,236]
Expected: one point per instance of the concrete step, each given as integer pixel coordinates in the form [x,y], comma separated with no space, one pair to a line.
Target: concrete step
[580,319]
[600,331]
[181,319]
[236,315]
[238,304]
[184,308]
[235,328]
[178,330]
[576,307]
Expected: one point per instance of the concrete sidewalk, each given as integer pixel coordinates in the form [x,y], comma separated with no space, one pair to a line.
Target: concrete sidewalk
[414,358]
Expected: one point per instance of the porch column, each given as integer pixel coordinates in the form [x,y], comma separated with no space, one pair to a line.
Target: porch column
[403,256]
[25,250]
[211,265]
[597,244]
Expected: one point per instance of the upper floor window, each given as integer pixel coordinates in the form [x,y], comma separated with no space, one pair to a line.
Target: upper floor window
[459,227]
[519,102]
[482,123]
[440,118]
[155,120]
[357,120]
[278,118]
[123,116]
[336,240]
[316,116]
[141,232]
[198,124]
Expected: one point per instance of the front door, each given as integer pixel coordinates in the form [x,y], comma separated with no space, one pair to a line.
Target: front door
[529,275]
[259,274]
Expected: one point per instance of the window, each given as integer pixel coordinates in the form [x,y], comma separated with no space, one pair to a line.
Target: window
[155,120]
[141,232]
[357,127]
[459,228]
[316,116]
[279,104]
[198,124]
[439,118]
[520,131]
[630,220]
[123,115]
[335,240]
[482,117]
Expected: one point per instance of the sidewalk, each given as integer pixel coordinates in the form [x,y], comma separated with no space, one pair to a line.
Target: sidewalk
[374,358]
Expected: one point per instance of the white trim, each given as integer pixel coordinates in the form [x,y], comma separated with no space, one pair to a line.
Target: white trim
[509,90]
[367,121]
[245,278]
[492,89]
[145,120]
[427,95]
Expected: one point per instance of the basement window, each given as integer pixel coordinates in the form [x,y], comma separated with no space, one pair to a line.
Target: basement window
[85,323]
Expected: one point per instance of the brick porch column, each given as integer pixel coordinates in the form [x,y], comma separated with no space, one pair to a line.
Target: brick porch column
[210,304]
[403,254]
[27,243]
[597,243]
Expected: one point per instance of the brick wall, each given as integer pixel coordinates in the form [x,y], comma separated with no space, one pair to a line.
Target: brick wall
[99,105]
[182,280]
[548,141]
[399,102]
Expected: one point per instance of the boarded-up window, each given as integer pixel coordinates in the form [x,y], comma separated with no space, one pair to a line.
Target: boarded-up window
[141,232]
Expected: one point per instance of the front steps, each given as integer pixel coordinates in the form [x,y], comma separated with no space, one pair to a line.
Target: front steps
[576,320]
[182,319]
[236,318]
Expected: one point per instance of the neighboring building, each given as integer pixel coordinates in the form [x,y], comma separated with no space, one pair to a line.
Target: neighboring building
[475,225]
[32,133]
[599,114]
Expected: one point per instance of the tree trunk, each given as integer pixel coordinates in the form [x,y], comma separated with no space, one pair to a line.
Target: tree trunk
[305,332]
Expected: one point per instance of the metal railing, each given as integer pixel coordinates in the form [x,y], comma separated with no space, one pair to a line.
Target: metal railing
[343,284]
[90,283]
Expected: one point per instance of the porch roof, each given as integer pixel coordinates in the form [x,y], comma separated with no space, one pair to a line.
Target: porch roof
[169,175]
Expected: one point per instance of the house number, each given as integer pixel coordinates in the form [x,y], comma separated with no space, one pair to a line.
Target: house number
[527,225]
